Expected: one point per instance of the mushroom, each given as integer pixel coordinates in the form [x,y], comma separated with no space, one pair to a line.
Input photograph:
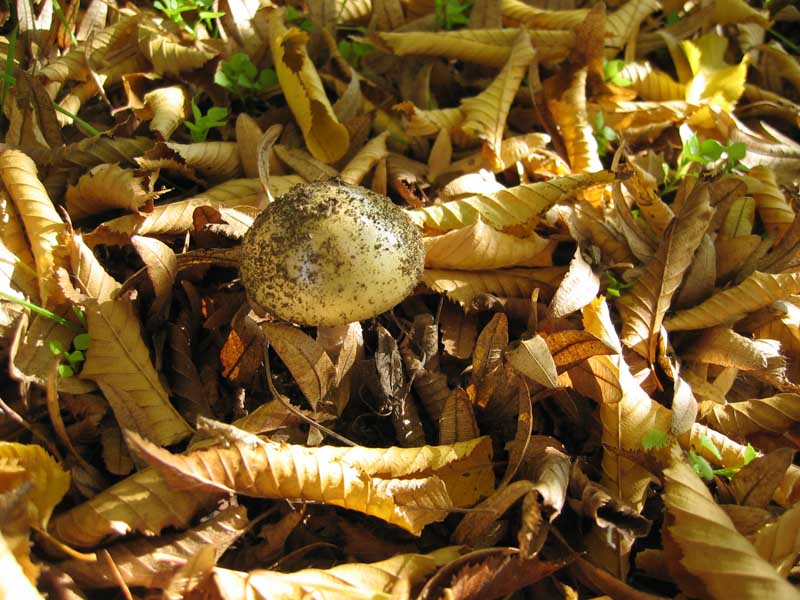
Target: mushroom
[329,253]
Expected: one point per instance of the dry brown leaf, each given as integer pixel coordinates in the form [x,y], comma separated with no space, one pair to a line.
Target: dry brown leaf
[518,206]
[310,366]
[776,415]
[325,137]
[376,581]
[532,358]
[150,562]
[755,484]
[409,488]
[119,362]
[457,421]
[39,217]
[162,268]
[778,543]
[579,287]
[757,291]
[696,528]
[480,246]
[106,187]
[485,114]
[464,286]
[569,113]
[170,106]
[487,359]
[643,307]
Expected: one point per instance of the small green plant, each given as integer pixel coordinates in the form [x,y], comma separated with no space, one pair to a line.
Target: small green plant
[703,468]
[353,52]
[615,286]
[73,358]
[451,13]
[654,439]
[175,9]
[203,123]
[603,134]
[705,152]
[295,17]
[612,73]
[241,77]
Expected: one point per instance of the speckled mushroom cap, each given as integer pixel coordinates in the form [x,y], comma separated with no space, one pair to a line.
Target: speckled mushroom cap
[329,253]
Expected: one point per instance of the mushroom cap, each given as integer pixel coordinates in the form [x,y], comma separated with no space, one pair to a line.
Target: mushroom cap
[329,253]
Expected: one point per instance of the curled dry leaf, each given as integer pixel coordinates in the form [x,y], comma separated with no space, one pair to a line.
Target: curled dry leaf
[696,526]
[106,187]
[517,206]
[480,246]
[325,137]
[344,582]
[39,217]
[406,487]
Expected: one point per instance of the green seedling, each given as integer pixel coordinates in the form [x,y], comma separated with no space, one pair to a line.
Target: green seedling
[298,19]
[451,13]
[704,152]
[615,286]
[704,469]
[603,134]
[353,52]
[241,77]
[175,9]
[203,123]
[72,360]
[654,439]
[612,73]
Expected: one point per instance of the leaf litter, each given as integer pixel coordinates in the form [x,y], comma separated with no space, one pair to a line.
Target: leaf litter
[595,390]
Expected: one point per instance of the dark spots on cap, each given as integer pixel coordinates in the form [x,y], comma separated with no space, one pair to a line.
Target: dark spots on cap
[298,263]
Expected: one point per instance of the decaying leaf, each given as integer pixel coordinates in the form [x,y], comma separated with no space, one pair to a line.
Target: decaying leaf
[406,487]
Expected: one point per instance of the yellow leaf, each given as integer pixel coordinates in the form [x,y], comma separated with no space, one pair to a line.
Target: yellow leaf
[463,286]
[539,18]
[713,80]
[325,137]
[775,211]
[28,462]
[624,23]
[358,167]
[532,358]
[375,581]
[408,487]
[218,161]
[168,56]
[757,291]
[119,362]
[697,529]
[170,106]
[485,114]
[106,187]
[139,561]
[14,583]
[506,209]
[479,246]
[488,47]
[143,502]
[569,113]
[777,542]
[428,122]
[39,217]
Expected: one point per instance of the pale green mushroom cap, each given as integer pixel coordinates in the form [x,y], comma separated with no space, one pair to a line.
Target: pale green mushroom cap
[329,253]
